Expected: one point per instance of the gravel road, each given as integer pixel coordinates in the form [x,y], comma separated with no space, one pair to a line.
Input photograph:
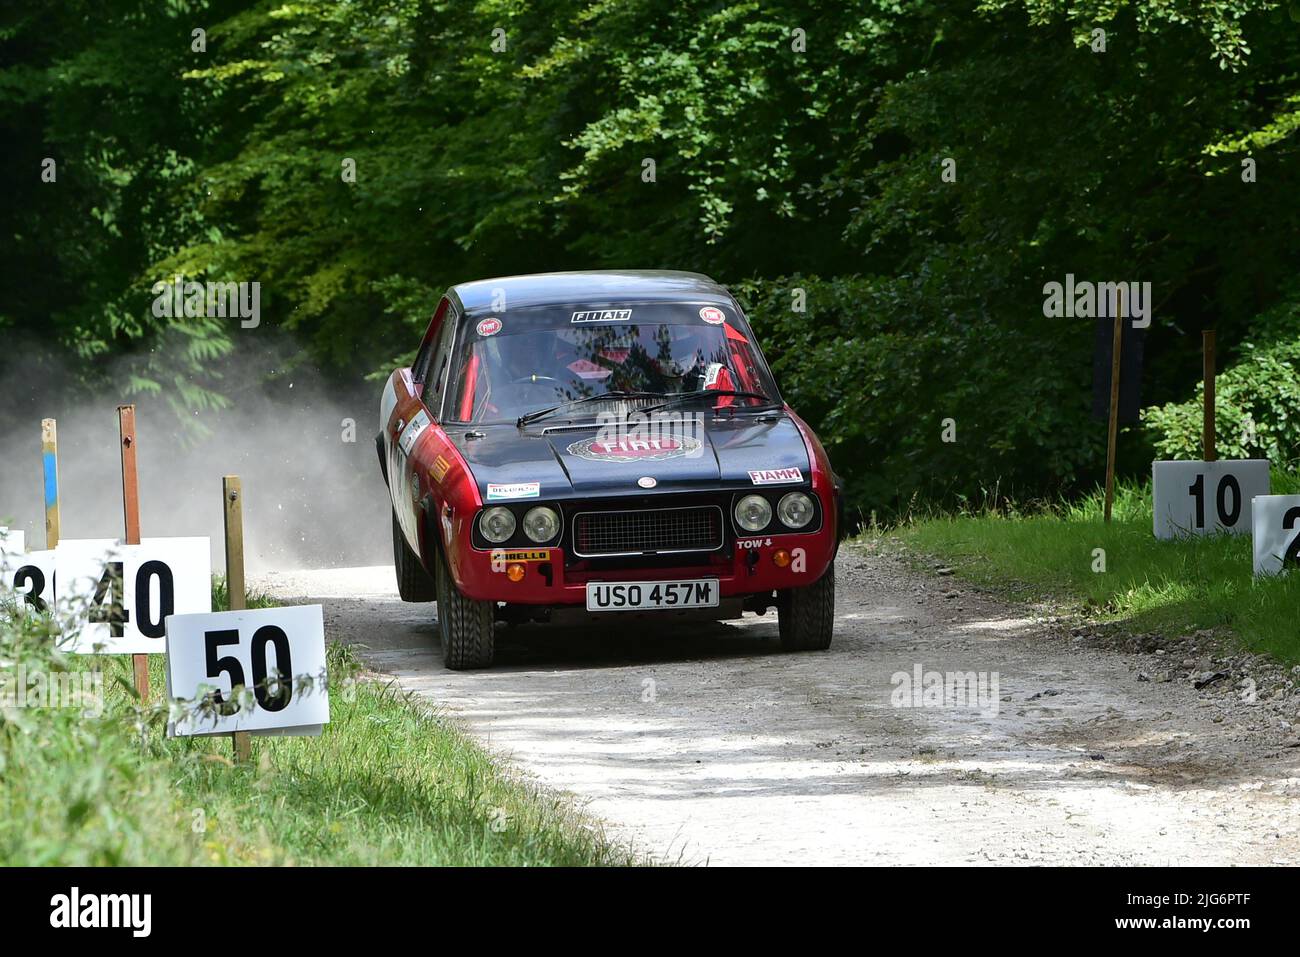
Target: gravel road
[706,744]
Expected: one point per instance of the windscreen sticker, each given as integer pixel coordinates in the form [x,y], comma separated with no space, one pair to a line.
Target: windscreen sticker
[602,315]
[414,429]
[775,476]
[496,493]
[586,369]
[713,315]
[711,374]
[489,327]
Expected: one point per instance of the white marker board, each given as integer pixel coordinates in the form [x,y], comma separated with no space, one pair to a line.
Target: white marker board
[1205,498]
[1277,534]
[218,652]
[27,579]
[112,598]
[12,541]
[117,598]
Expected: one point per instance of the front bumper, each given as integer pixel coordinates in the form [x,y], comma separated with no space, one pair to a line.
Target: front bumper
[745,567]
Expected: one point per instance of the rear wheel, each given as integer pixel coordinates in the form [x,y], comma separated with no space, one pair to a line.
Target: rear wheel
[806,616]
[465,625]
[413,582]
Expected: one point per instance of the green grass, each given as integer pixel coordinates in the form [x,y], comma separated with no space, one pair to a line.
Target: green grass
[386,783]
[1148,585]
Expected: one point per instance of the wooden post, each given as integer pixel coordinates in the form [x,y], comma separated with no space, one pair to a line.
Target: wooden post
[131,513]
[1112,435]
[50,463]
[1207,374]
[233,510]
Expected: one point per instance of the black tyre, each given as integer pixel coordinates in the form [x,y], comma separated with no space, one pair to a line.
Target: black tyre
[413,582]
[806,616]
[465,625]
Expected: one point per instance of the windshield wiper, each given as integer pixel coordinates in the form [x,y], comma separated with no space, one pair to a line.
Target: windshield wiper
[528,417]
[768,401]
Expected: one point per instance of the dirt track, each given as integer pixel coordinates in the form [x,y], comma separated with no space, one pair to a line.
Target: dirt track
[710,745]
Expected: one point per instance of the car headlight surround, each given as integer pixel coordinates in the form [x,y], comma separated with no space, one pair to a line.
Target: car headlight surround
[497,524]
[753,513]
[541,524]
[795,510]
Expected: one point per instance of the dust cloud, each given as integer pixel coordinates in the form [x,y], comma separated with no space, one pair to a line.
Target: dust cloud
[313,493]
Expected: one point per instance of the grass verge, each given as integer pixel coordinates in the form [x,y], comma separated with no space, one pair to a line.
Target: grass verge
[1149,585]
[386,783]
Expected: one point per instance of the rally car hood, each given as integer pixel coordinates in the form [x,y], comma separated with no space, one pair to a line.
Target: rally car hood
[577,463]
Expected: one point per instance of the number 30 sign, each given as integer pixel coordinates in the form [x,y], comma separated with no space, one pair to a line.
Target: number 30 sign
[1203,498]
[277,654]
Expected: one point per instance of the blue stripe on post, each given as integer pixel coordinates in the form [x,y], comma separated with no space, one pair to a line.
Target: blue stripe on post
[51,480]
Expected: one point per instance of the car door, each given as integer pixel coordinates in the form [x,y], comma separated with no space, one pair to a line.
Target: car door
[410,418]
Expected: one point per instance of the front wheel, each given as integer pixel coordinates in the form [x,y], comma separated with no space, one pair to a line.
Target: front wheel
[806,616]
[464,625]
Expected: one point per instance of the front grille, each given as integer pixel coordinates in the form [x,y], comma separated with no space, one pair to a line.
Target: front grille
[648,531]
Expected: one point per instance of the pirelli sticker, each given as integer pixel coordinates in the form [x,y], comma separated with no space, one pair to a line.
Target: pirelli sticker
[509,555]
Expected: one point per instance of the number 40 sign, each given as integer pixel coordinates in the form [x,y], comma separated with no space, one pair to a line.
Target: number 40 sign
[277,654]
[1204,498]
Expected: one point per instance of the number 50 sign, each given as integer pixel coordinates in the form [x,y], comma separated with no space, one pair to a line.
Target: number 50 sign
[1203,498]
[276,654]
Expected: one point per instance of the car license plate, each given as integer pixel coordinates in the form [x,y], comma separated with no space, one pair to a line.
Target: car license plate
[638,596]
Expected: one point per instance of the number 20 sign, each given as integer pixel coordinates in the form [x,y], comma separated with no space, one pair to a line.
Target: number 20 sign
[1204,498]
[1277,534]
[272,652]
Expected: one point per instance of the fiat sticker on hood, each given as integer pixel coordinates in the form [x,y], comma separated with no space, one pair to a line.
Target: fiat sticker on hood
[634,449]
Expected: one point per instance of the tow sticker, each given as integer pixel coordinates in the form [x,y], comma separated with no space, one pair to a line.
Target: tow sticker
[489,327]
[414,429]
[713,315]
[496,493]
[439,469]
[775,476]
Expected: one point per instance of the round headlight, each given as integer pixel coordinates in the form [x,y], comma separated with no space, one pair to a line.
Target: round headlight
[541,524]
[753,512]
[795,510]
[497,524]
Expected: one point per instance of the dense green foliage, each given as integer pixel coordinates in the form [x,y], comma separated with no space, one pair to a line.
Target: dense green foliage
[797,146]
[1257,401]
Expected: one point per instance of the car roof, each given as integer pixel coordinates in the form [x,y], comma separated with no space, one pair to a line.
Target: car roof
[594,286]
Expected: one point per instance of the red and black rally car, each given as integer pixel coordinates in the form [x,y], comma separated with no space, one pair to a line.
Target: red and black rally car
[598,445]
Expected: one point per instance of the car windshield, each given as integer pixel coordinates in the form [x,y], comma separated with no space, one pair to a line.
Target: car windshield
[525,360]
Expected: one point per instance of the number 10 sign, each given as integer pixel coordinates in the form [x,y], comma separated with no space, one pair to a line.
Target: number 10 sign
[1203,498]
[276,656]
